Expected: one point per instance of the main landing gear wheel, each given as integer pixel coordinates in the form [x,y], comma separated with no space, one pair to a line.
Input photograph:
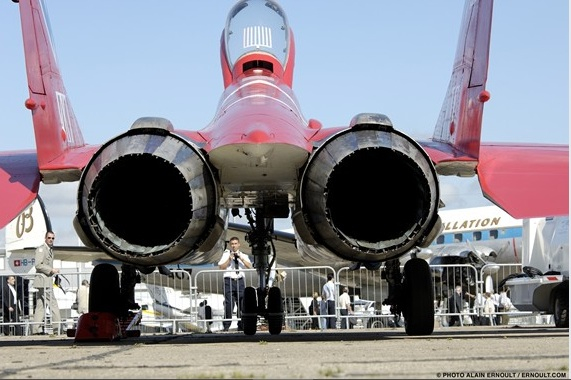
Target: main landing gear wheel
[250,311]
[418,310]
[275,311]
[104,291]
[561,307]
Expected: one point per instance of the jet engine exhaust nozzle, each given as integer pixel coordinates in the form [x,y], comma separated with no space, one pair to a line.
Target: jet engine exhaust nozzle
[369,194]
[148,197]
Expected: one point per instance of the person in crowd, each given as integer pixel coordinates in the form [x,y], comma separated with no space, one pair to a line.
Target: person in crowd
[323,314]
[314,311]
[505,304]
[11,306]
[439,308]
[455,306]
[43,281]
[233,261]
[82,297]
[496,301]
[489,310]
[328,297]
[345,308]
[479,309]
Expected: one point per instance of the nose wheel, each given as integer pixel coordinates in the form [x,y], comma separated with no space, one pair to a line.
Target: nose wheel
[255,304]
[275,312]
[250,311]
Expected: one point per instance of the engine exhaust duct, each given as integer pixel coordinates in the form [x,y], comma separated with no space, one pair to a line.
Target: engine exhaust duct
[369,193]
[148,197]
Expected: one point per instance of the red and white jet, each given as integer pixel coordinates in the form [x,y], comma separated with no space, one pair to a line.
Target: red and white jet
[364,193]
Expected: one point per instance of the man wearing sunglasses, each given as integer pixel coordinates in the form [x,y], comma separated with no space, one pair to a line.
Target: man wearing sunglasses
[44,283]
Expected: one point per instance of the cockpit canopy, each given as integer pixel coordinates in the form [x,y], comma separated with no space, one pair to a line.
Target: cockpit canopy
[256,26]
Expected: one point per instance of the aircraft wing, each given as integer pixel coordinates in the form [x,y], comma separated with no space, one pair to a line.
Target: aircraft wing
[527,181]
[19,183]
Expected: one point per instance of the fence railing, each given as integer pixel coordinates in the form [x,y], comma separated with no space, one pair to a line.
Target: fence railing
[177,303]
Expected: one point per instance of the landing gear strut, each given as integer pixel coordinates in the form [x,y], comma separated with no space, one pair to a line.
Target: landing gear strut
[266,300]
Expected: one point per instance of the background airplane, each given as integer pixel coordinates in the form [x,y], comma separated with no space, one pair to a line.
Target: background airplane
[249,161]
[487,232]
[478,238]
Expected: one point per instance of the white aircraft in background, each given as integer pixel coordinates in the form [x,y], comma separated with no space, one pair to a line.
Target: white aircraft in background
[478,237]
[487,232]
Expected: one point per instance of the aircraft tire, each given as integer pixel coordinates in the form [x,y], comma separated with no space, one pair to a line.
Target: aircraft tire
[250,311]
[275,311]
[561,307]
[418,297]
[104,290]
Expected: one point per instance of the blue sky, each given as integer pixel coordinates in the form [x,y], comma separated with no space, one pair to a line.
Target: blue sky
[122,60]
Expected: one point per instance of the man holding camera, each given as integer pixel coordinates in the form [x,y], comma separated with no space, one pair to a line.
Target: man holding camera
[233,261]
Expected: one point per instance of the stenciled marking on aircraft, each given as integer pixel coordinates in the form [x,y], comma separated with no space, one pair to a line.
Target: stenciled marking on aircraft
[472,223]
[257,36]
[64,117]
[25,222]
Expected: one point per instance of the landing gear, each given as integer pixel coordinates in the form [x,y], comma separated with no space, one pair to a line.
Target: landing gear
[275,312]
[255,304]
[413,297]
[104,292]
[561,307]
[109,316]
[419,300]
[250,311]
[266,300]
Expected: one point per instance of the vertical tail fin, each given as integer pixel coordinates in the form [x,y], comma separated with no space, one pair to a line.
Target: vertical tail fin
[460,121]
[23,234]
[55,127]
[28,229]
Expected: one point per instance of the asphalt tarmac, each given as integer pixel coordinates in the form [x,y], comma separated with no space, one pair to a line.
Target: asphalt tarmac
[449,353]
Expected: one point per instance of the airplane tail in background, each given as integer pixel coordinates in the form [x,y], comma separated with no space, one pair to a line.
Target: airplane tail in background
[56,129]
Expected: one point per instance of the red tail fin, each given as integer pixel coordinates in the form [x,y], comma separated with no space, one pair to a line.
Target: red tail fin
[55,127]
[460,120]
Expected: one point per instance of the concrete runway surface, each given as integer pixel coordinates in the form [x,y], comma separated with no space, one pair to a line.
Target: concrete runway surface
[449,353]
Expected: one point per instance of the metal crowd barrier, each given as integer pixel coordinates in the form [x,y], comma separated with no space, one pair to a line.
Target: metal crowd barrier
[176,303]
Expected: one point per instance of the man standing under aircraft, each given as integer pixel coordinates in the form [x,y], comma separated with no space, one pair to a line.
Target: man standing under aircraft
[234,261]
[328,297]
[44,283]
